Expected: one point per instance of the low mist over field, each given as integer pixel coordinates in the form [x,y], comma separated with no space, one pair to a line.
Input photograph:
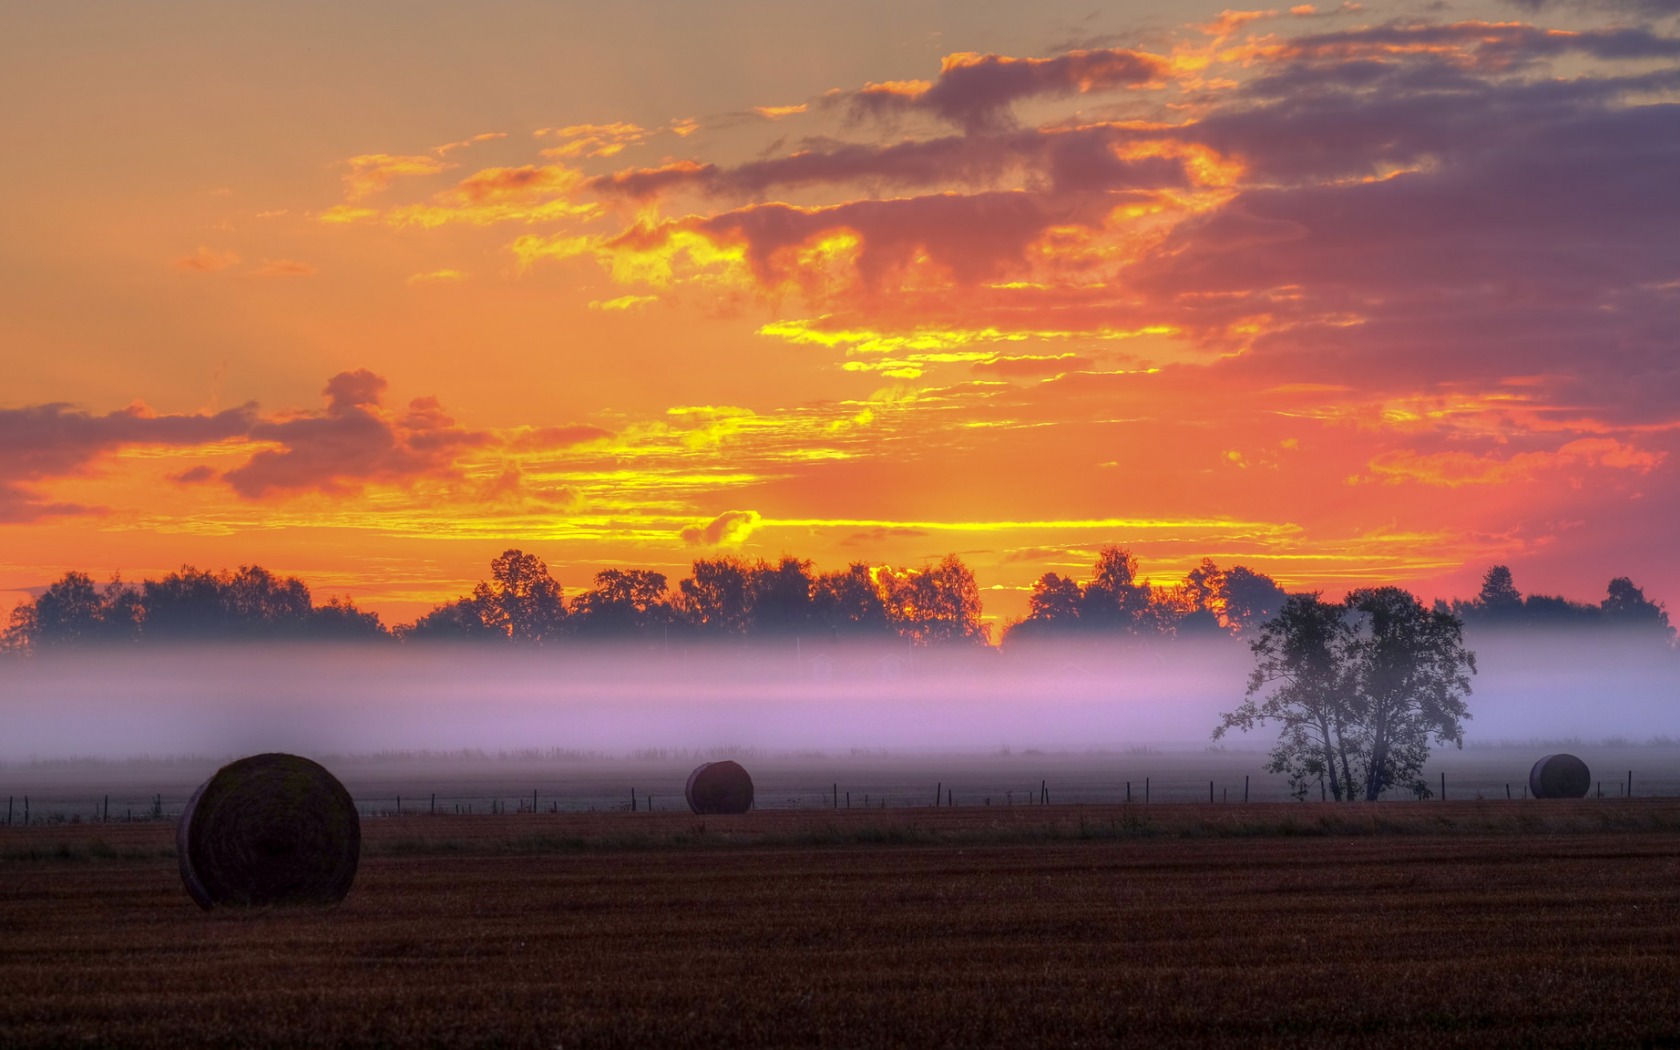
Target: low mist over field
[350,699]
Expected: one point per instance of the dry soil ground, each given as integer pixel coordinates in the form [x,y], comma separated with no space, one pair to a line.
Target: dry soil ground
[1441,924]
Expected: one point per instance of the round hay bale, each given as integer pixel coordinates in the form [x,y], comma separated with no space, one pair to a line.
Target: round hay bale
[269,829]
[719,787]
[1559,776]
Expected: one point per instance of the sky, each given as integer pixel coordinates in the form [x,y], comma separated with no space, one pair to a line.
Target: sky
[366,294]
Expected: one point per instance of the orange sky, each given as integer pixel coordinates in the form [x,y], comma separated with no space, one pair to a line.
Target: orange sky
[1343,295]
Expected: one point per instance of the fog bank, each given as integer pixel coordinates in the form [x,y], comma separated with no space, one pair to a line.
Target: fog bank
[335,699]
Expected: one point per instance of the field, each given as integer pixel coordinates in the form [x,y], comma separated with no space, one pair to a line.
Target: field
[1278,924]
[67,790]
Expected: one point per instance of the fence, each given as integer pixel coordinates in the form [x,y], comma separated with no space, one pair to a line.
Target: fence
[73,806]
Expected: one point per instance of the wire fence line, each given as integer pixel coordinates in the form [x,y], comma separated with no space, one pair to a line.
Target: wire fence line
[85,807]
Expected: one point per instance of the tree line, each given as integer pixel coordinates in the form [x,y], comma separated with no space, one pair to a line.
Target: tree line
[730,598]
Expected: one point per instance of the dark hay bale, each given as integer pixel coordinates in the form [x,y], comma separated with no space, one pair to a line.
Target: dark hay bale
[1559,776]
[719,787]
[269,829]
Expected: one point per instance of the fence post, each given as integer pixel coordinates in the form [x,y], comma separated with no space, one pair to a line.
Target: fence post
[1210,792]
[1128,791]
[836,794]
[1630,784]
[533,800]
[399,805]
[1146,791]
[8,811]
[1044,792]
[1245,787]
[938,789]
[434,803]
[1443,785]
[106,819]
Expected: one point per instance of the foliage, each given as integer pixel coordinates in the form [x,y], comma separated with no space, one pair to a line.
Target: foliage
[1114,603]
[1624,607]
[729,599]
[1359,689]
[186,605]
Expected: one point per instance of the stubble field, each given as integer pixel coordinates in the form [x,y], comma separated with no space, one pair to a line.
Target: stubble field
[1446,924]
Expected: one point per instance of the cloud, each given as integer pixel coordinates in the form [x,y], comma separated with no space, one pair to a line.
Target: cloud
[283,268]
[955,237]
[450,147]
[353,443]
[975,92]
[51,441]
[1030,365]
[1457,469]
[527,193]
[549,439]
[373,173]
[729,529]
[437,275]
[622,303]
[594,140]
[206,260]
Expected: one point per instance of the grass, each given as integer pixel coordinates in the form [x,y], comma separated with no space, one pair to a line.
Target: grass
[1458,924]
[419,835]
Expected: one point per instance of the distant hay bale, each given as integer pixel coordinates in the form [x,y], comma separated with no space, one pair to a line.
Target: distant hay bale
[719,787]
[269,829]
[1559,776]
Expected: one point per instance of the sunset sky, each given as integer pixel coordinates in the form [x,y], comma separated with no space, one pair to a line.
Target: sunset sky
[368,293]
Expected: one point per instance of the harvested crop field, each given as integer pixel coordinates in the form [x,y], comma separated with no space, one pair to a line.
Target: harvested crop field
[1443,924]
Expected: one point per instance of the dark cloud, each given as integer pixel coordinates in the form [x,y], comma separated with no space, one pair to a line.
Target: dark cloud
[1644,8]
[1490,48]
[353,443]
[971,237]
[48,441]
[976,92]
[1073,160]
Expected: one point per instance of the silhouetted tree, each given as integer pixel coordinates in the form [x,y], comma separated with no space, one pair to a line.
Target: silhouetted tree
[457,621]
[848,603]
[256,602]
[934,605]
[68,612]
[1203,589]
[717,597]
[1112,599]
[1626,606]
[781,598]
[1499,598]
[521,601]
[1550,610]
[1360,689]
[1248,598]
[341,620]
[625,603]
[186,604]
[1055,599]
